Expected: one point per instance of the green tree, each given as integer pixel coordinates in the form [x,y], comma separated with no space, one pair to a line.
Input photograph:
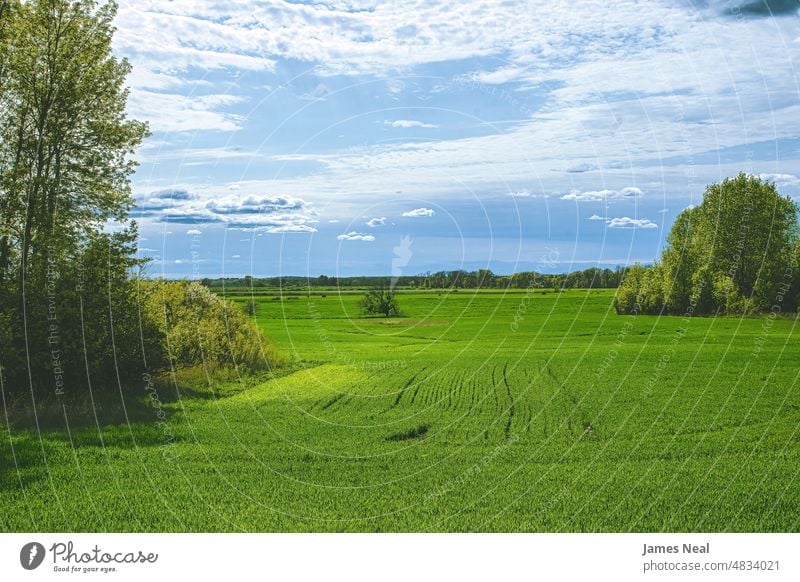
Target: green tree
[68,140]
[251,307]
[734,253]
[65,165]
[748,227]
[627,298]
[380,301]
[73,316]
[679,262]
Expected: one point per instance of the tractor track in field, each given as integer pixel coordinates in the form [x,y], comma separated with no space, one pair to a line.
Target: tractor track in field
[511,408]
[474,391]
[544,402]
[459,389]
[405,387]
[494,388]
[333,400]
[416,391]
[435,394]
[585,422]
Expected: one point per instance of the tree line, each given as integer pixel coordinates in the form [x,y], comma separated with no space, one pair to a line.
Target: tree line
[592,278]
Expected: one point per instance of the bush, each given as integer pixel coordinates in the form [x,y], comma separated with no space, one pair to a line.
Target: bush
[80,329]
[202,329]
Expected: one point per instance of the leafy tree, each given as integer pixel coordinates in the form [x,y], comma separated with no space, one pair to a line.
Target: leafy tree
[65,133]
[65,164]
[73,318]
[380,301]
[627,298]
[747,229]
[679,262]
[734,253]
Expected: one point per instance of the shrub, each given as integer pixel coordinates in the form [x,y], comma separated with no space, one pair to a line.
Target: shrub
[80,328]
[201,329]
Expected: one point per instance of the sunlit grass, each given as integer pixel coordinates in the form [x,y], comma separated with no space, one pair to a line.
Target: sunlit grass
[478,411]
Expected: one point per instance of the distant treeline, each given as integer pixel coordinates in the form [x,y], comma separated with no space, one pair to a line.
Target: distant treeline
[593,278]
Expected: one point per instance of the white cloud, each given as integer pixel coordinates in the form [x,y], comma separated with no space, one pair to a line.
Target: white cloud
[525,193]
[356,236]
[595,217]
[172,112]
[194,232]
[395,86]
[419,212]
[781,179]
[234,205]
[581,168]
[629,87]
[276,214]
[375,222]
[236,256]
[291,228]
[597,195]
[407,123]
[625,222]
[194,156]
[498,76]
[318,93]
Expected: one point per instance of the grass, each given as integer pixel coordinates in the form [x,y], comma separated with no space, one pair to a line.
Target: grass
[519,411]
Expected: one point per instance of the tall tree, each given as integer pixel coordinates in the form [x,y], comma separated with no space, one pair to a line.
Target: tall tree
[65,166]
[66,137]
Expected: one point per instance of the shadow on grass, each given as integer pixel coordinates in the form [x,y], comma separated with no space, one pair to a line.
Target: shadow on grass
[54,431]
[416,432]
[70,413]
[145,400]
[50,429]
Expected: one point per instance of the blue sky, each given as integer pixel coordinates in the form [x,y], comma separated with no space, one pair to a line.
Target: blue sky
[310,138]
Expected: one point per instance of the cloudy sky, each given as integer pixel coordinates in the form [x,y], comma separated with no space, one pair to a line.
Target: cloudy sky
[346,137]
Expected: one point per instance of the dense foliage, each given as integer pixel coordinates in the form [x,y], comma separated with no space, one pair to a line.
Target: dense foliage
[737,252]
[69,316]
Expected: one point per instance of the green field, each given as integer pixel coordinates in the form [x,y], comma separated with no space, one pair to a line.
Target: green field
[488,411]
